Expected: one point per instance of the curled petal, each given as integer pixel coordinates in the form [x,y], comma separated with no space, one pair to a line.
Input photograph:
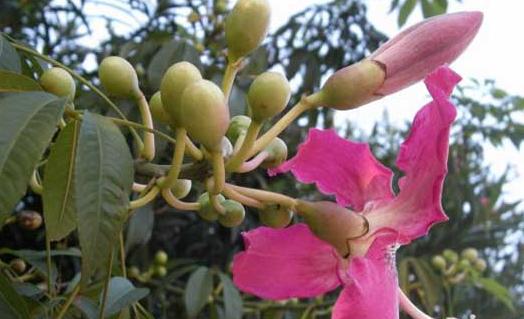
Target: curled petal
[373,293]
[340,167]
[285,263]
[423,159]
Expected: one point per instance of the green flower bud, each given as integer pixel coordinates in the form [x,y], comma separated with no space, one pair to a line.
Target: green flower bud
[450,255]
[29,220]
[275,216]
[480,265]
[439,262]
[268,95]
[157,109]
[237,126]
[133,272]
[119,77]
[59,82]
[234,214]
[160,271]
[246,27]
[205,114]
[277,150]
[464,264]
[470,254]
[207,211]
[352,86]
[176,79]
[181,188]
[18,265]
[161,258]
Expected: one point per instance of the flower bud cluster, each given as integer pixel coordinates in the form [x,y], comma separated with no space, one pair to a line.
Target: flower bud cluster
[157,269]
[455,267]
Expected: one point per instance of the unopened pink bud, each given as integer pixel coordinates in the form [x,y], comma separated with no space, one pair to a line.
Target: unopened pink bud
[415,52]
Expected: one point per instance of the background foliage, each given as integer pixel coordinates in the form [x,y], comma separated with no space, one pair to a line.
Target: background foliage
[310,45]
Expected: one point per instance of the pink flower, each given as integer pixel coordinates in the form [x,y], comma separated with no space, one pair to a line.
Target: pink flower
[293,262]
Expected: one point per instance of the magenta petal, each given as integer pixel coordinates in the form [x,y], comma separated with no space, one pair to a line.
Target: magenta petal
[285,263]
[423,158]
[373,293]
[340,167]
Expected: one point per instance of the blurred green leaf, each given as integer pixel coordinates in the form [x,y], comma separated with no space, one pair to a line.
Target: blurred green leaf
[405,11]
[198,289]
[121,294]
[59,205]
[232,299]
[140,227]
[12,305]
[27,125]
[9,59]
[15,82]
[496,290]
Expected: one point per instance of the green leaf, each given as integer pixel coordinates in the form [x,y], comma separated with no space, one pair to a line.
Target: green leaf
[170,53]
[27,125]
[496,290]
[198,289]
[430,282]
[59,204]
[140,227]
[9,59]
[430,9]
[103,178]
[121,293]
[232,299]
[13,82]
[12,305]
[88,307]
[405,10]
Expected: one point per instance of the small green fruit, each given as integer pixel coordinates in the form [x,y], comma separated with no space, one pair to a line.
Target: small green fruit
[246,27]
[160,271]
[464,264]
[234,214]
[439,262]
[470,254]
[133,272]
[119,77]
[268,95]
[59,82]
[157,109]
[450,255]
[176,79]
[207,211]
[18,265]
[237,126]
[181,188]
[277,150]
[29,220]
[161,258]
[480,265]
[275,216]
[205,114]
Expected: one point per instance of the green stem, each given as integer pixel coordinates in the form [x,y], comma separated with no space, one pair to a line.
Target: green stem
[148,152]
[265,196]
[122,254]
[141,127]
[106,285]
[178,158]
[48,261]
[219,173]
[229,79]
[81,79]
[68,303]
[146,199]
[246,149]
[305,104]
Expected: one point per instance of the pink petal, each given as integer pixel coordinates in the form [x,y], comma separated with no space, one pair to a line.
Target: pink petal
[418,50]
[285,263]
[340,167]
[373,293]
[423,159]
